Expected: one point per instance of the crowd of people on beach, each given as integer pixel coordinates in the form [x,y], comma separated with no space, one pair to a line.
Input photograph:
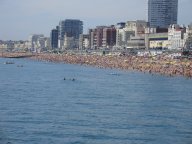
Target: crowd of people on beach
[161,64]
[15,54]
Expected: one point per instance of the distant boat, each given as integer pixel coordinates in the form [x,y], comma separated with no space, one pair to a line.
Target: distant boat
[9,62]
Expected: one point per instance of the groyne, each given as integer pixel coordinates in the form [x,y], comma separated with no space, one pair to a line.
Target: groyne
[162,64]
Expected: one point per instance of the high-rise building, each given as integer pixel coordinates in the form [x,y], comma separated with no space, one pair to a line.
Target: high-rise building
[162,13]
[54,38]
[70,28]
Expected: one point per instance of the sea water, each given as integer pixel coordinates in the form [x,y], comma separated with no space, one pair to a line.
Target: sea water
[55,103]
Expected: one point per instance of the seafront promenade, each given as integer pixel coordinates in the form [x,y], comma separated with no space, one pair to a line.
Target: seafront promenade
[161,64]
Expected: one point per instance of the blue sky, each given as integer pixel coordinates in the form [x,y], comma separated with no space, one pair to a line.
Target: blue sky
[20,18]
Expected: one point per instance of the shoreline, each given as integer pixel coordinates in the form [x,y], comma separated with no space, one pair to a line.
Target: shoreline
[161,64]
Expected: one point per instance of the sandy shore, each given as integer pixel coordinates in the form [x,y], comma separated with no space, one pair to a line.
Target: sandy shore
[161,64]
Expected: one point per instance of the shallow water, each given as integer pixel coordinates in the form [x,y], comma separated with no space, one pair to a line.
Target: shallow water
[102,106]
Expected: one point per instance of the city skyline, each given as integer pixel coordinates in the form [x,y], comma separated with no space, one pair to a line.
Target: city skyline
[20,18]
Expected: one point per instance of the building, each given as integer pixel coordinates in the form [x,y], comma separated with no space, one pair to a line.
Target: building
[48,43]
[162,13]
[176,37]
[109,37]
[188,37]
[158,41]
[9,45]
[91,38]
[3,46]
[125,35]
[135,34]
[69,43]
[156,38]
[120,34]
[70,28]
[84,41]
[136,42]
[41,43]
[54,38]
[102,37]
[138,27]
[33,40]
[96,37]
[21,45]
[14,45]
[38,43]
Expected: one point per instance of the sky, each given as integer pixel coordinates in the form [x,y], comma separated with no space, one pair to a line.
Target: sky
[20,18]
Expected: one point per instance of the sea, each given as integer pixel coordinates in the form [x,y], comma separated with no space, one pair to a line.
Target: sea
[57,103]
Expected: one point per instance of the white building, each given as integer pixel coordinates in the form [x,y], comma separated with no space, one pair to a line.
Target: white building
[188,37]
[176,37]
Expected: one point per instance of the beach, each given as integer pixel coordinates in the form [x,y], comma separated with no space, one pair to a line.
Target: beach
[161,64]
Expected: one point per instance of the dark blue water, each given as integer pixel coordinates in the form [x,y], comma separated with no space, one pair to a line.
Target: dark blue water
[101,106]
